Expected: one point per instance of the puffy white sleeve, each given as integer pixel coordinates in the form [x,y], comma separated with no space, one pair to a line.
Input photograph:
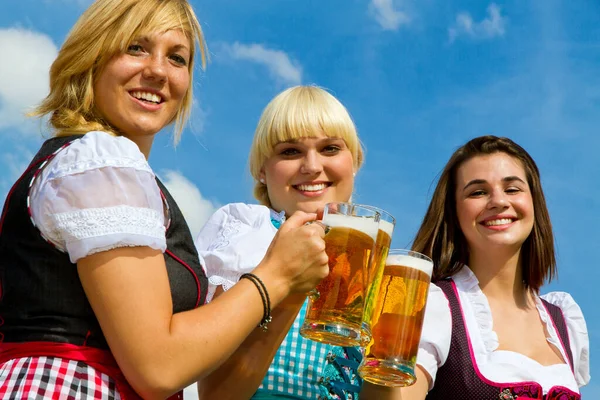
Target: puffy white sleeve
[97,194]
[233,242]
[578,334]
[437,333]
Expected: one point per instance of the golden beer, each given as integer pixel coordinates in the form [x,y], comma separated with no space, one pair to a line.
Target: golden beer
[375,272]
[335,315]
[397,320]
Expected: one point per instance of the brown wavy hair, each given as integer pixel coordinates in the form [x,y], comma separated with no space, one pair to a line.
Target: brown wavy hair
[441,238]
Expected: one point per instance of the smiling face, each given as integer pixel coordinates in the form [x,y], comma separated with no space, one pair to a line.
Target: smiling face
[140,91]
[493,202]
[307,173]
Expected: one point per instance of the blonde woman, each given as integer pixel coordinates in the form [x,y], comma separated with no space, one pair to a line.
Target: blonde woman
[101,283]
[305,154]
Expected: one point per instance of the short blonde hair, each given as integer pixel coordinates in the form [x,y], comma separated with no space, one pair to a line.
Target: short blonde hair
[104,30]
[300,112]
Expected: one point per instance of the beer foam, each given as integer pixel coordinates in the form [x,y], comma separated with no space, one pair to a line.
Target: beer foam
[387,227]
[364,224]
[411,262]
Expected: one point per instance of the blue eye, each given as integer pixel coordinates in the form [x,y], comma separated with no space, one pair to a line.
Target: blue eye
[289,152]
[179,59]
[134,48]
[477,193]
[331,149]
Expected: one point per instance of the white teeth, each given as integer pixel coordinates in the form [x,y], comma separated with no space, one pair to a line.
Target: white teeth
[312,188]
[154,98]
[494,222]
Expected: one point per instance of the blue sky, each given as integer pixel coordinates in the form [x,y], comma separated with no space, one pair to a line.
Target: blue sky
[419,78]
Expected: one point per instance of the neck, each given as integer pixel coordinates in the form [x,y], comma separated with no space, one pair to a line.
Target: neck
[500,275]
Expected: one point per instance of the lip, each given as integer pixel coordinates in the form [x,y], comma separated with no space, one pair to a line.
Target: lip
[312,193]
[144,104]
[498,227]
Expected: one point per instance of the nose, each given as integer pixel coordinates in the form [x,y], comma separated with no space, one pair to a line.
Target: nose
[498,199]
[311,164]
[155,69]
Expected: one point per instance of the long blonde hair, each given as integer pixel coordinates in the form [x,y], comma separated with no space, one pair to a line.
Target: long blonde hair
[300,112]
[105,29]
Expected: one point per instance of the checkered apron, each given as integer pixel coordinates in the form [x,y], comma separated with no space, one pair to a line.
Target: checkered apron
[54,378]
[305,369]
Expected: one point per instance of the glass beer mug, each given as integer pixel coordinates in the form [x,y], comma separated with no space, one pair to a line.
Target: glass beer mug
[397,320]
[387,222]
[335,307]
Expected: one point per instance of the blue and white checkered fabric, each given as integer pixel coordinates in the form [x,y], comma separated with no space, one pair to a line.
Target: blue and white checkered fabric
[297,365]
[304,369]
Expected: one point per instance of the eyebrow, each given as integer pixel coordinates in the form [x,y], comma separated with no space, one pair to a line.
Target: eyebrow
[146,39]
[326,139]
[506,179]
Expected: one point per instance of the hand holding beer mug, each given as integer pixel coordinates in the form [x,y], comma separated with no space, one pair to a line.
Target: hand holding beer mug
[334,313]
[397,320]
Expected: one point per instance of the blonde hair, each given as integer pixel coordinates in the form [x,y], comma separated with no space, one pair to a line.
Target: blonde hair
[104,30]
[300,112]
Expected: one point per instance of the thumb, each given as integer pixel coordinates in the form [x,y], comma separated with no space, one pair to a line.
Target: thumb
[320,213]
[298,219]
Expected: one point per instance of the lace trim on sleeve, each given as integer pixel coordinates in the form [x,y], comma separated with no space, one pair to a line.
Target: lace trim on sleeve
[92,222]
[93,230]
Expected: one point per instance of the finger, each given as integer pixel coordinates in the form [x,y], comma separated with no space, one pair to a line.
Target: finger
[324,228]
[298,219]
[320,212]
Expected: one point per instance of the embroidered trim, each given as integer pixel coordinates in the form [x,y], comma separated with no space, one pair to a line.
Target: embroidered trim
[229,229]
[93,222]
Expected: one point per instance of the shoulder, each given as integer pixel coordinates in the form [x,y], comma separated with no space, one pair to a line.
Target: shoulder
[578,333]
[231,221]
[436,335]
[566,303]
[97,149]
[241,213]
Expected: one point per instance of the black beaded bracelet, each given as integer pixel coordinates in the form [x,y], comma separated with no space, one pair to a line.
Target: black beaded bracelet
[264,295]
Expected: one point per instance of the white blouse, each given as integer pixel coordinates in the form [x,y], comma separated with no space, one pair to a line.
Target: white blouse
[97,194]
[502,365]
[234,241]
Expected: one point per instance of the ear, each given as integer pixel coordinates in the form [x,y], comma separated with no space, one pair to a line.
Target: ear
[262,177]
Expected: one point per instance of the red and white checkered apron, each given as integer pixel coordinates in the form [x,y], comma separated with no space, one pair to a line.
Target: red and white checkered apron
[54,378]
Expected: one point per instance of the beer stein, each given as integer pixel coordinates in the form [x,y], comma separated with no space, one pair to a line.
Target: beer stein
[335,308]
[397,320]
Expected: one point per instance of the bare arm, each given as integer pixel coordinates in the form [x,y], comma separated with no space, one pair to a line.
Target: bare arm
[247,367]
[160,352]
[418,391]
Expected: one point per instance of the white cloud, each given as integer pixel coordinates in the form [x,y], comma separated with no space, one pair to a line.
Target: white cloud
[26,60]
[387,16]
[285,70]
[492,26]
[195,208]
